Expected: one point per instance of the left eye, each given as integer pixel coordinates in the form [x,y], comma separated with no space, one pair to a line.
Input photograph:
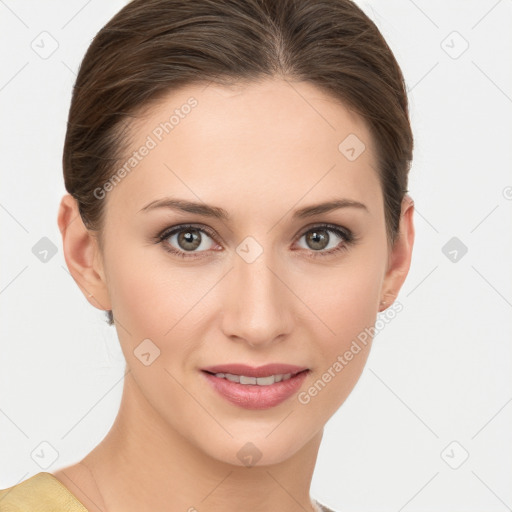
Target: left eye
[319,239]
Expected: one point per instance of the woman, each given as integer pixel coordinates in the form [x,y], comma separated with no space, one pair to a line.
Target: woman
[237,177]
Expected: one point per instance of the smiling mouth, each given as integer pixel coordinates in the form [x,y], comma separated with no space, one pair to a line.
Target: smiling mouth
[256,388]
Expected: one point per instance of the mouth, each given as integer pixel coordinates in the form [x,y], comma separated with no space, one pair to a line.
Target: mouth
[260,376]
[256,388]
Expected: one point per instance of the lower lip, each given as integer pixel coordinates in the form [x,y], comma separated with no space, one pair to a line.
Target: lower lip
[252,396]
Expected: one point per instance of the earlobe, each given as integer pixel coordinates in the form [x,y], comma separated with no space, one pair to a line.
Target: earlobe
[81,254]
[400,255]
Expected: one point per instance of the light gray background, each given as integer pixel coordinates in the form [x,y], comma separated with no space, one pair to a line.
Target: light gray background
[438,375]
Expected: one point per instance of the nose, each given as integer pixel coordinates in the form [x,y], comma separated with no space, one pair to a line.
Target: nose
[258,304]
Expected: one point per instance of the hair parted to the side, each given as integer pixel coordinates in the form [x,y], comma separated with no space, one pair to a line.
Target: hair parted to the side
[151,47]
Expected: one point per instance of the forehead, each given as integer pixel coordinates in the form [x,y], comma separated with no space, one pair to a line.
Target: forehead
[275,140]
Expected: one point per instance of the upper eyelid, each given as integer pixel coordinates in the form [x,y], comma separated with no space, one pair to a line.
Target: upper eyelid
[166,233]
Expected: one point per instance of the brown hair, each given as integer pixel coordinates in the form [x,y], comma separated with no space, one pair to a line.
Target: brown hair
[151,47]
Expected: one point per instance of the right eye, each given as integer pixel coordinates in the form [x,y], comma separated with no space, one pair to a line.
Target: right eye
[184,239]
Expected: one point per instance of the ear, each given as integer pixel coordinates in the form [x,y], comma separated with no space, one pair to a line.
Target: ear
[82,254]
[399,259]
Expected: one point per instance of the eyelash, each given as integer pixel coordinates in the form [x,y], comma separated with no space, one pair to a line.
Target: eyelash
[347,235]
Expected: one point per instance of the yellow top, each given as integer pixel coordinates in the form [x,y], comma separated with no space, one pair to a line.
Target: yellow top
[42,492]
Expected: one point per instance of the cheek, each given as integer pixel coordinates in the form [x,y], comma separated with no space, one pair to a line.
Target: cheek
[351,306]
[145,297]
[345,297]
[157,298]
[347,306]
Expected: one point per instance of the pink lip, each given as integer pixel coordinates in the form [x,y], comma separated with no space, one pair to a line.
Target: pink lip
[252,396]
[251,371]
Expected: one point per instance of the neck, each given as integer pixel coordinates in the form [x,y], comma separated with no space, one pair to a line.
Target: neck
[144,464]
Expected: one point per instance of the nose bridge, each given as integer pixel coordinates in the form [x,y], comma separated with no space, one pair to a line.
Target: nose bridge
[257,310]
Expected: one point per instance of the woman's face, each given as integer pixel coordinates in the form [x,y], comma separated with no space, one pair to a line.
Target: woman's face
[261,284]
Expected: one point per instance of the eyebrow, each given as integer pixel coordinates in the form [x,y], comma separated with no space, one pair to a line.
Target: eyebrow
[219,213]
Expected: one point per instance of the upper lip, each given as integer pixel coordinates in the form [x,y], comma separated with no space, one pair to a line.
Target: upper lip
[252,371]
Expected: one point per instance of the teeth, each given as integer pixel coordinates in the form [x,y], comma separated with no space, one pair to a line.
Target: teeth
[259,381]
[247,380]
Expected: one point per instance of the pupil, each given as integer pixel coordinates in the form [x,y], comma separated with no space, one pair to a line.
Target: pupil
[317,238]
[189,237]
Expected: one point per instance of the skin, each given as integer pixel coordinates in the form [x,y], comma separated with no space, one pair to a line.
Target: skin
[260,151]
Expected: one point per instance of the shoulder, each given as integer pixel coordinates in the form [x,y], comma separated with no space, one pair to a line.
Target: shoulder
[40,492]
